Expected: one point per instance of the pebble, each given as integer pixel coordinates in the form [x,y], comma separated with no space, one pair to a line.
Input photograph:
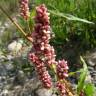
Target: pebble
[90,68]
[44,92]
[4,93]
[91,63]
[94,72]
[9,66]
[20,78]
[54,95]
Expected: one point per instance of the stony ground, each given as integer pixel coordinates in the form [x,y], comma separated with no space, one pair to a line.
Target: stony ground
[17,83]
[14,81]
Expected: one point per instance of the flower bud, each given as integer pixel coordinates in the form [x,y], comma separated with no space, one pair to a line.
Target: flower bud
[62,69]
[24,9]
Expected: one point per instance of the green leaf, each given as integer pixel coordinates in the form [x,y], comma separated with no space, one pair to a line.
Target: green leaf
[73,73]
[89,90]
[81,82]
[32,13]
[69,17]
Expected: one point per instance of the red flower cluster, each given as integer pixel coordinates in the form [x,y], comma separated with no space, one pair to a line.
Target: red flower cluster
[41,36]
[24,8]
[62,69]
[43,52]
[62,89]
[41,70]
[62,73]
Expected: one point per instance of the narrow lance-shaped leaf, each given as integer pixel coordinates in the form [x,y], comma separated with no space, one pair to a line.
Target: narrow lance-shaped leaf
[69,17]
[83,75]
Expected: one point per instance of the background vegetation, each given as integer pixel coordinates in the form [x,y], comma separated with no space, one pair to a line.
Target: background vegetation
[66,27]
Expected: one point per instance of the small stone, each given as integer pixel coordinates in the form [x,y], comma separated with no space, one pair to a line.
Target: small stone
[17,87]
[94,72]
[9,66]
[10,57]
[3,78]
[10,79]
[54,95]
[88,78]
[91,63]
[44,92]
[4,93]
[2,70]
[90,68]
[74,86]
[8,86]
[91,58]
[95,68]
[2,57]
[15,46]
[94,82]
[20,78]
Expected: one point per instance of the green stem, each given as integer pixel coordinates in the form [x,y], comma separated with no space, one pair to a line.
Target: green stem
[28,26]
[53,67]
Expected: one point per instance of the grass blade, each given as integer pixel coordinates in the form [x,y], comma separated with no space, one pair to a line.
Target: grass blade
[69,17]
[83,75]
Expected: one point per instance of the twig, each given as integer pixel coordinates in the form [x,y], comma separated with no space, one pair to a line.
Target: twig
[17,25]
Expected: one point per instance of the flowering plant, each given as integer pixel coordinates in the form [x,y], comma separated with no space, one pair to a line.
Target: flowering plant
[42,55]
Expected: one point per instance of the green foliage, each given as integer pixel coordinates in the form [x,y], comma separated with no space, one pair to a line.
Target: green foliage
[87,88]
[72,20]
[69,17]
[83,74]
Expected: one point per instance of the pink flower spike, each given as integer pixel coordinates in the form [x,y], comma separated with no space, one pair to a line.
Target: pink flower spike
[62,69]
[41,46]
[24,9]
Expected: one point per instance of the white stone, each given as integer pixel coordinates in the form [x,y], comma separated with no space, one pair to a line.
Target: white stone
[15,46]
[44,92]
